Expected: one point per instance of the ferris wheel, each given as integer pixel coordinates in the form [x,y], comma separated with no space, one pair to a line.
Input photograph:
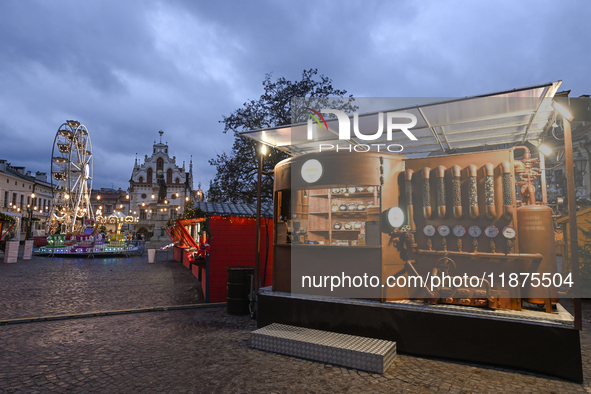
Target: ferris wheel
[71,177]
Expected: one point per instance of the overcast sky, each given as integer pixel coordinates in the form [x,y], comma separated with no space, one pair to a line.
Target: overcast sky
[127,69]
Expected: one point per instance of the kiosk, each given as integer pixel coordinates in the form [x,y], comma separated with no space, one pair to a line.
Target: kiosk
[357,212]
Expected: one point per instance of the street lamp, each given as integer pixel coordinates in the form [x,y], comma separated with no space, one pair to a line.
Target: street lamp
[580,163]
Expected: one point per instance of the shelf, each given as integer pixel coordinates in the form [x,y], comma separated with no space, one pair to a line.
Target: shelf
[352,195]
[349,213]
[318,213]
[318,195]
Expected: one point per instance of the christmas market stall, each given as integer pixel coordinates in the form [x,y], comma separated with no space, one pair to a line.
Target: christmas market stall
[219,236]
[372,243]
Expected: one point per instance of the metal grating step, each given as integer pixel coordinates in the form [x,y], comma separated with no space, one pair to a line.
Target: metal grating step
[367,354]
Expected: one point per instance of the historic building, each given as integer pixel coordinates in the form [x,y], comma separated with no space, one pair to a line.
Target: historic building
[26,197]
[158,190]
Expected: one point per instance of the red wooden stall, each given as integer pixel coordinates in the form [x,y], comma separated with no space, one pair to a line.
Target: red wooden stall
[232,244]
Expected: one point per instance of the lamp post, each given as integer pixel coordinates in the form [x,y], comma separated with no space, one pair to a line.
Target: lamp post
[30,214]
[567,117]
[258,222]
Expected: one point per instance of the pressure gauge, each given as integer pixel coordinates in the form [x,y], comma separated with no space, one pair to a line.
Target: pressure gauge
[459,230]
[429,230]
[395,217]
[509,232]
[491,231]
[443,230]
[475,231]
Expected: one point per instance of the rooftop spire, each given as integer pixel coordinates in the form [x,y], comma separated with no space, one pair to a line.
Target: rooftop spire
[161,132]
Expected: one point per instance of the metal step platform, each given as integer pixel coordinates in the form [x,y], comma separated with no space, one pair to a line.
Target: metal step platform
[367,354]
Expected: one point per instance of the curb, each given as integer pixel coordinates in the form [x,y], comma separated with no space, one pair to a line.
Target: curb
[110,313]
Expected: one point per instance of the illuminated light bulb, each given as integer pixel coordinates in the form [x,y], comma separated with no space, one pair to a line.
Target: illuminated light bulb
[32,195]
[127,197]
[545,149]
[98,197]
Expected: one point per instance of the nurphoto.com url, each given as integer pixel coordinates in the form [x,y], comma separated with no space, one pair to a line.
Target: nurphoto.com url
[523,279]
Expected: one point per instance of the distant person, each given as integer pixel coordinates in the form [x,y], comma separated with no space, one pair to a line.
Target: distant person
[143,237]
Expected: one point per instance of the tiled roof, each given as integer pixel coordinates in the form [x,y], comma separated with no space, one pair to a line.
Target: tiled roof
[229,209]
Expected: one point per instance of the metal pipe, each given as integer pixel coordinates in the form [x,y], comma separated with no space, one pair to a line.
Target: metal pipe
[572,220]
[507,190]
[409,206]
[489,190]
[473,191]
[456,191]
[441,198]
[426,173]
[529,256]
[543,179]
[526,152]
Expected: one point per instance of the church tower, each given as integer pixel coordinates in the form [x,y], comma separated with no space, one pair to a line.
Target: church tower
[158,191]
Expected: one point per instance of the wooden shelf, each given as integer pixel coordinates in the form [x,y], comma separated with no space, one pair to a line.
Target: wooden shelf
[346,214]
[352,195]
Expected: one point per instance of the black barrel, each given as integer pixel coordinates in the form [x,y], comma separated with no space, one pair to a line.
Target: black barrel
[238,289]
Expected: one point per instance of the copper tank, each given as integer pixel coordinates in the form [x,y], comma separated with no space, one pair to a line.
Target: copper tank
[535,231]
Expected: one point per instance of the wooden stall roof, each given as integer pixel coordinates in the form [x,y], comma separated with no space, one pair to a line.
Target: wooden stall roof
[229,209]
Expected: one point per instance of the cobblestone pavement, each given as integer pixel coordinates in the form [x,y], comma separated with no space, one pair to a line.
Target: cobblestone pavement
[196,350]
[46,286]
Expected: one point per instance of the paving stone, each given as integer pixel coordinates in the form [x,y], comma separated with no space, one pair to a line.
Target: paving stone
[192,351]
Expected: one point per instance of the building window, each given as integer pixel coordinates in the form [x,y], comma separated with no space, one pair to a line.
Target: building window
[169,176]
[142,214]
[149,175]
[5,199]
[14,198]
[160,164]
[177,180]
[22,201]
[144,195]
[141,180]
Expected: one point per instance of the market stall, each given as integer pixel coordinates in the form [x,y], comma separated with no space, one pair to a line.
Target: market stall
[357,212]
[230,243]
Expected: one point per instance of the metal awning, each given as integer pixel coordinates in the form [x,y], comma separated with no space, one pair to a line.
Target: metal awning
[505,117]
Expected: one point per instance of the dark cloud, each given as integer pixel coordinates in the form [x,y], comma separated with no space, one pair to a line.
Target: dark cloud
[129,69]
